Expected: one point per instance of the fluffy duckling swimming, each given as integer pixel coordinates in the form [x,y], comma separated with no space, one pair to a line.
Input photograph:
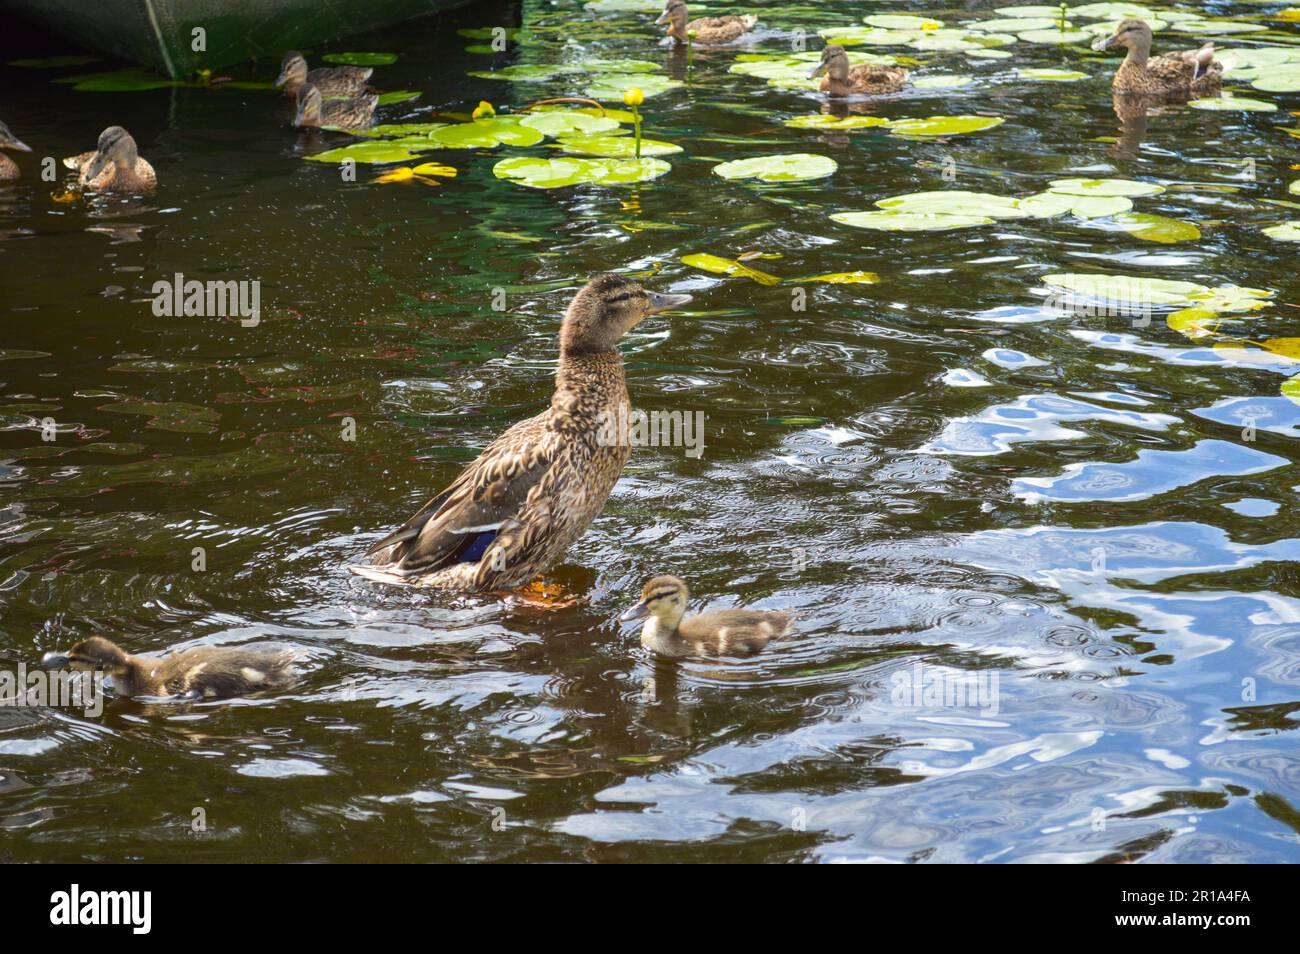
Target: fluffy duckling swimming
[343,81]
[115,166]
[841,80]
[315,110]
[515,510]
[206,672]
[735,632]
[709,31]
[9,168]
[1171,74]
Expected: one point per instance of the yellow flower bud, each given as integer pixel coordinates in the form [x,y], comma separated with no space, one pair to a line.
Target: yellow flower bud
[633,96]
[483,110]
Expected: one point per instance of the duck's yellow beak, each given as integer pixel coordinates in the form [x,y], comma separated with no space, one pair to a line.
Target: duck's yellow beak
[660,302]
[639,611]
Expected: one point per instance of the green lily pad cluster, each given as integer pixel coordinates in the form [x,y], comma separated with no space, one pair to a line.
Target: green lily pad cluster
[1048,25]
[556,173]
[1270,69]
[788,167]
[948,209]
[938,40]
[1192,299]
[923,127]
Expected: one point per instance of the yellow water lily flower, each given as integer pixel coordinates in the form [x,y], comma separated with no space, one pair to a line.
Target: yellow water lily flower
[423,174]
[484,110]
[928,25]
[633,96]
[435,169]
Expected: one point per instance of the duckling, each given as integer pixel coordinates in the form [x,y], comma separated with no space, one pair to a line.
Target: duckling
[708,31]
[115,166]
[9,168]
[206,672]
[1171,74]
[735,632]
[355,113]
[340,81]
[515,510]
[865,78]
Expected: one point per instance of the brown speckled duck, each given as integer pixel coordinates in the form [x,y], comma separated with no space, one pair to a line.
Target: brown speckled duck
[734,632]
[114,166]
[866,78]
[1188,73]
[514,511]
[706,31]
[341,81]
[314,110]
[9,168]
[206,672]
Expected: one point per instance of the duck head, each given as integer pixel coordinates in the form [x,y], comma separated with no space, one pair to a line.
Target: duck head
[309,106]
[96,653]
[834,63]
[1133,34]
[675,16]
[116,146]
[9,141]
[293,70]
[605,309]
[664,598]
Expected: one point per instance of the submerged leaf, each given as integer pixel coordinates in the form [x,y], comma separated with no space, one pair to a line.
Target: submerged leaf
[845,278]
[727,266]
[1158,228]
[1051,75]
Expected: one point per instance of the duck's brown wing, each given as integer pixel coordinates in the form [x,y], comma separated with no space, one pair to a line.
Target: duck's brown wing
[734,632]
[488,493]
[878,77]
[340,80]
[1173,69]
[221,673]
[720,29]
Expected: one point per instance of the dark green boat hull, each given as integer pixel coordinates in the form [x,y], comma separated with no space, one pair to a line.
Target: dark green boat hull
[160,34]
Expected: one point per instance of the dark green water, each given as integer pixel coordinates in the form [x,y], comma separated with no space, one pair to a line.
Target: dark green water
[1143,627]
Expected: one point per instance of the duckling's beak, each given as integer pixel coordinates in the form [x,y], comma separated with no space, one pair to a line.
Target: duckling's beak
[1105,42]
[817,70]
[663,18]
[56,661]
[640,611]
[10,142]
[96,165]
[660,302]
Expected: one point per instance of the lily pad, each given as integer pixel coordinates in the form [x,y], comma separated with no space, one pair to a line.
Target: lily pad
[955,202]
[130,80]
[1046,205]
[845,278]
[788,167]
[822,121]
[398,96]
[612,87]
[378,151]
[1039,10]
[1278,79]
[1055,36]
[620,147]
[1291,389]
[889,21]
[400,129]
[1133,289]
[1235,103]
[1051,75]
[568,122]
[361,59]
[943,81]
[486,134]
[1220,27]
[726,266]
[943,125]
[1112,187]
[1158,228]
[563,171]
[1286,232]
[894,221]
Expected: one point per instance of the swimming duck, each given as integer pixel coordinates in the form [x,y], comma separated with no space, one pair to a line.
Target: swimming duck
[314,110]
[342,81]
[707,31]
[865,78]
[9,168]
[514,511]
[734,632]
[115,166]
[1171,74]
[206,672]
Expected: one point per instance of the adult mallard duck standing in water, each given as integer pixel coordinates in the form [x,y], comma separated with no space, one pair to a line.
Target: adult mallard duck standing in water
[733,632]
[344,81]
[114,166]
[206,672]
[514,511]
[9,168]
[866,78]
[707,31]
[316,111]
[1187,73]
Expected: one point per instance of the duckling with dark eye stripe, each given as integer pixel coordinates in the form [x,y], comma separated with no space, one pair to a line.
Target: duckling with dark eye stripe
[206,672]
[9,168]
[734,632]
[330,80]
[314,110]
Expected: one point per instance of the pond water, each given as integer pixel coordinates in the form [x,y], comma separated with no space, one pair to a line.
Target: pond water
[1079,521]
